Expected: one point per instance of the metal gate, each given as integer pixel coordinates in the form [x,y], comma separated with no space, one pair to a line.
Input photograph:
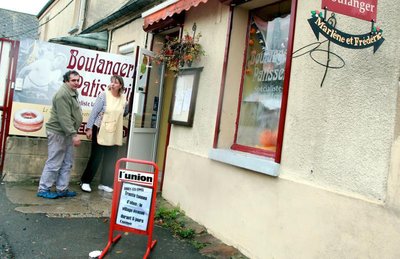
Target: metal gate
[8,63]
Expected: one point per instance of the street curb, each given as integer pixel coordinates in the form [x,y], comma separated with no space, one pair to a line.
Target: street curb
[211,246]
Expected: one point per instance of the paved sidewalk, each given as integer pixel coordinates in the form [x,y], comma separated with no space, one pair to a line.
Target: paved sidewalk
[34,227]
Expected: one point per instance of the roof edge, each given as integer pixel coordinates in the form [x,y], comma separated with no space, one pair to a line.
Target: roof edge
[121,12]
[44,8]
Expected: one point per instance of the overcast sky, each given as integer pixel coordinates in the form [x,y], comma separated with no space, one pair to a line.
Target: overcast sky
[23,6]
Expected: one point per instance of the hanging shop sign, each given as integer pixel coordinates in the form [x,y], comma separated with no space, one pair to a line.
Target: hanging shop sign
[371,39]
[361,9]
[322,24]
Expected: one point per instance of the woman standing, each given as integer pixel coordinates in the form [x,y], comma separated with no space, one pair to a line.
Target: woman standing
[104,128]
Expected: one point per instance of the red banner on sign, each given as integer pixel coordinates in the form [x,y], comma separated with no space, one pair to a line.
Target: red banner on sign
[361,9]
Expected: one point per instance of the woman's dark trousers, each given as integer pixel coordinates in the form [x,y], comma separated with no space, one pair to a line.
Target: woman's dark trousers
[106,154]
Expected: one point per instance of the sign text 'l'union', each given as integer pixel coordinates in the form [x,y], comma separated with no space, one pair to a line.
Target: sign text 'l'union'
[137,177]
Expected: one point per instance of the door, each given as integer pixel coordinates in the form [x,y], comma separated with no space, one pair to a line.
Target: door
[146,110]
[8,58]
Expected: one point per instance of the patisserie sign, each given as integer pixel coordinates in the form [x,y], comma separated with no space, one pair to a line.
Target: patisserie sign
[39,75]
[91,62]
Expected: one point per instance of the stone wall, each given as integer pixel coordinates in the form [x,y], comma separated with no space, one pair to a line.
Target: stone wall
[26,156]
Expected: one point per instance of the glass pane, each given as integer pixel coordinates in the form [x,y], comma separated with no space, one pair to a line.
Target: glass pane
[149,84]
[263,79]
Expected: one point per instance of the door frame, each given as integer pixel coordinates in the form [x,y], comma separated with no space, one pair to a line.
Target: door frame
[137,105]
[6,103]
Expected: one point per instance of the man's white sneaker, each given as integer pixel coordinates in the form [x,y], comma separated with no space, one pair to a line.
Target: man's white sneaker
[86,187]
[105,188]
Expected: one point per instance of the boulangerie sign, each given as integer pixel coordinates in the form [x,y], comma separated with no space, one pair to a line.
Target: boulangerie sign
[39,75]
[361,9]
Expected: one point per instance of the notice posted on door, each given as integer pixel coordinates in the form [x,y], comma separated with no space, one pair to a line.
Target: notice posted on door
[134,206]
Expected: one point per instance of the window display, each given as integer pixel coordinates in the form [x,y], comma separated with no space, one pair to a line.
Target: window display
[263,77]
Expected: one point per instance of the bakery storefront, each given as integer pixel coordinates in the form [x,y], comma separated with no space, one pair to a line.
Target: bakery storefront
[35,76]
[293,135]
[290,145]
[39,70]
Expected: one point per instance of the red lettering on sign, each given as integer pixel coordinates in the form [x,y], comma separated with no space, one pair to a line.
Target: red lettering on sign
[361,9]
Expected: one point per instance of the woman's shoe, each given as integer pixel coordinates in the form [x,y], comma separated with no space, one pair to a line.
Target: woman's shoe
[105,188]
[86,187]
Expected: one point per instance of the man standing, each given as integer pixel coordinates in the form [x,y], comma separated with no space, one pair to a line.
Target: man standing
[61,129]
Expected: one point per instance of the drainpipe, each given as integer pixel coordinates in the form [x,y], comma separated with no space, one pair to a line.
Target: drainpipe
[223,78]
[110,35]
[78,27]
[82,14]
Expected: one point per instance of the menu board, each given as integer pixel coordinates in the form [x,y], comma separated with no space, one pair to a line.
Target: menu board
[134,206]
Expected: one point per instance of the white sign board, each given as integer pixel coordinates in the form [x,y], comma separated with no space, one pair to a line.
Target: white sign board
[134,206]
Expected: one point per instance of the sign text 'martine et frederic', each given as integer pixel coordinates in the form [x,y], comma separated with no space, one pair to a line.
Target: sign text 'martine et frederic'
[343,39]
[362,9]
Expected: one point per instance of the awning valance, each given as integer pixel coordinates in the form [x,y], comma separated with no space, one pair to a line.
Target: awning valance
[233,2]
[95,40]
[175,8]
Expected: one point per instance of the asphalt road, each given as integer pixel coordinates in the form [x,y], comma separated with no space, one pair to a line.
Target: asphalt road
[37,236]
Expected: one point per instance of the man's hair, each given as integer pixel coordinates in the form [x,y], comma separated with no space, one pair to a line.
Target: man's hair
[67,75]
[121,82]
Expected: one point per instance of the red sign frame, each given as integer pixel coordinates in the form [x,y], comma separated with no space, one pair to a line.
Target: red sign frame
[114,226]
[361,9]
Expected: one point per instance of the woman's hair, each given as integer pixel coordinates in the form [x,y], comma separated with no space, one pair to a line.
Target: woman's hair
[120,81]
[67,75]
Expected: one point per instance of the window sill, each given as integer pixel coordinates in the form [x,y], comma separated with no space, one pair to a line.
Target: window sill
[260,164]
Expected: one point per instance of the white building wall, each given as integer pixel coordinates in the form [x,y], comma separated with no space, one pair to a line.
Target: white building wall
[331,199]
[213,27]
[65,15]
[132,32]
[100,9]
[61,13]
[268,217]
[339,136]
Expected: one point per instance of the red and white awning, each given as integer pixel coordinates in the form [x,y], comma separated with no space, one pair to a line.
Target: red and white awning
[168,9]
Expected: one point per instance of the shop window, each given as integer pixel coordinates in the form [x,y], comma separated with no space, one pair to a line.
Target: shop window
[250,122]
[263,77]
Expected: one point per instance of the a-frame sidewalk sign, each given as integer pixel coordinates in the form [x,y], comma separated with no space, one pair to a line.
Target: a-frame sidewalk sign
[133,202]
